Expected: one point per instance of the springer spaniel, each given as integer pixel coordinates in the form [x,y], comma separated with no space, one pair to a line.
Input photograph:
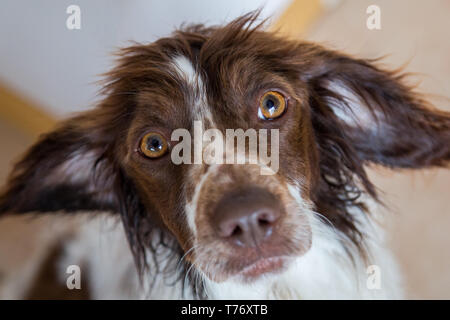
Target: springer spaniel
[300,224]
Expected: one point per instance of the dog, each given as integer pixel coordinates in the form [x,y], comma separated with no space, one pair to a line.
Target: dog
[308,228]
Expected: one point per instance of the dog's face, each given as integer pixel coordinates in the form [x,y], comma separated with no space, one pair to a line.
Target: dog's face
[329,114]
[238,220]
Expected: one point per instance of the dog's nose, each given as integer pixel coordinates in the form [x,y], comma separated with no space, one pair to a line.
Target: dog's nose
[247,217]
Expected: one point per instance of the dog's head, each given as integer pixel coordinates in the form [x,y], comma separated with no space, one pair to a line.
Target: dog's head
[155,149]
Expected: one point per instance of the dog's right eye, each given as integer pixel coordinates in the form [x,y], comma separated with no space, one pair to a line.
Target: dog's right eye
[154,145]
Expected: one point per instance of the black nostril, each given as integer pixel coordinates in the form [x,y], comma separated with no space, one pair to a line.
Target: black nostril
[265,219]
[263,222]
[237,231]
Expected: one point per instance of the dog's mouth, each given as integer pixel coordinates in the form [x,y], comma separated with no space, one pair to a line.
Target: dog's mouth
[264,266]
[245,269]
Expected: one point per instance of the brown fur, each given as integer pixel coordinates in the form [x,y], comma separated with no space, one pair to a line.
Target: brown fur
[239,62]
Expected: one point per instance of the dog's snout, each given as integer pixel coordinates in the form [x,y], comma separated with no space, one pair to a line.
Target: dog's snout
[247,218]
[247,227]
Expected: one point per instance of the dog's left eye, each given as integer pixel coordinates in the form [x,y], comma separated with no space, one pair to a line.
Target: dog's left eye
[271,105]
[153,145]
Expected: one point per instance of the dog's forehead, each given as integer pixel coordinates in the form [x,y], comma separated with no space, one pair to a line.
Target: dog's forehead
[216,84]
[216,95]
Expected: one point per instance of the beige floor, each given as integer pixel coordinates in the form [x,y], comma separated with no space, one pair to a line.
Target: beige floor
[414,31]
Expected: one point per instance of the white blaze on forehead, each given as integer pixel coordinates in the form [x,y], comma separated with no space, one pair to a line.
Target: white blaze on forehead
[186,71]
[199,108]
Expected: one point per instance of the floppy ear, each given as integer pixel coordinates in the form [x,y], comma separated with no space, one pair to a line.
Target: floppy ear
[70,169]
[76,168]
[382,118]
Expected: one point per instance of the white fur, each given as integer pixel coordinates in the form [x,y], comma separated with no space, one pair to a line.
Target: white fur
[354,112]
[183,68]
[101,249]
[191,207]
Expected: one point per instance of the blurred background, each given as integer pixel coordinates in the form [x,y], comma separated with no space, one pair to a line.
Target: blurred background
[48,72]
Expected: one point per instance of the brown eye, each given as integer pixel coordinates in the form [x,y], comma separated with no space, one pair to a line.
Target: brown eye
[271,105]
[153,145]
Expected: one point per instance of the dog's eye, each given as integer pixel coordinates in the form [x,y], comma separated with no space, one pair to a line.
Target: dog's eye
[153,145]
[271,105]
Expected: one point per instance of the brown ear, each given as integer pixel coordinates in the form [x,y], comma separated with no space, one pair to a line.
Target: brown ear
[384,120]
[70,169]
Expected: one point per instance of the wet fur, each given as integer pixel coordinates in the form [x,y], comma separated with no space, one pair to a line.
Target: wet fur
[404,132]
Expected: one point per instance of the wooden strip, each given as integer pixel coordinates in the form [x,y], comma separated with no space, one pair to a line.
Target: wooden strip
[296,19]
[23,114]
